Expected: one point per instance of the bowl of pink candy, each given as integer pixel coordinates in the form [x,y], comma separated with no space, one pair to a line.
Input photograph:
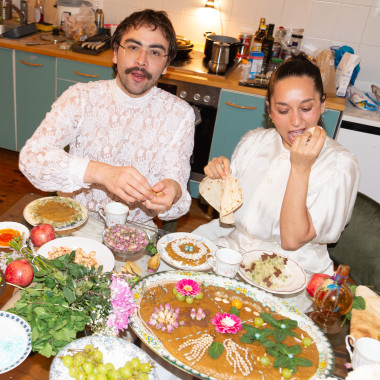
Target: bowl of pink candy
[125,241]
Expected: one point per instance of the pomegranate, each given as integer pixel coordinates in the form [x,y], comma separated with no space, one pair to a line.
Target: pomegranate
[19,272]
[41,234]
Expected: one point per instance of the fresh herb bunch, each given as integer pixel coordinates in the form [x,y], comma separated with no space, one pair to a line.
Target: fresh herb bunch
[65,298]
[358,303]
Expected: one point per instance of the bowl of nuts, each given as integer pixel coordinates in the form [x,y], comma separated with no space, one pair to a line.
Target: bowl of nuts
[125,241]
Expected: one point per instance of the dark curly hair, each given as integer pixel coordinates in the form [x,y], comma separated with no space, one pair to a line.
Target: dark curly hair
[149,18]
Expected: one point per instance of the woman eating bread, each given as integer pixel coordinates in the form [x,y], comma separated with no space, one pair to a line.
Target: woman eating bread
[299,186]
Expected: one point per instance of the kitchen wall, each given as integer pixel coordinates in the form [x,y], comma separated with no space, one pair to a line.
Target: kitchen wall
[326,22]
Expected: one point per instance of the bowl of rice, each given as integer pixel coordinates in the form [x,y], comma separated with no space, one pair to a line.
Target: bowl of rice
[125,241]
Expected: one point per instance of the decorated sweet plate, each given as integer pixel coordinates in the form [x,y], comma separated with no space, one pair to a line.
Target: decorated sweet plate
[156,288]
[292,279]
[180,263]
[115,350]
[79,213]
[15,341]
[9,228]
[103,255]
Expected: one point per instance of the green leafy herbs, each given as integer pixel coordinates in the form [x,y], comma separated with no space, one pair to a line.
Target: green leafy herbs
[65,298]
[234,310]
[358,303]
[151,248]
[215,350]
[254,334]
[282,327]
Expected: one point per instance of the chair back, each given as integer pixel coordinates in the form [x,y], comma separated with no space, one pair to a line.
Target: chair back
[359,244]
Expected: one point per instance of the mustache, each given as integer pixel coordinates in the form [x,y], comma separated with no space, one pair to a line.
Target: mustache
[141,69]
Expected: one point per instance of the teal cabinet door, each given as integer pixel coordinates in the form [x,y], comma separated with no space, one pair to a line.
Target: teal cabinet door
[35,92]
[8,132]
[237,114]
[331,121]
[71,72]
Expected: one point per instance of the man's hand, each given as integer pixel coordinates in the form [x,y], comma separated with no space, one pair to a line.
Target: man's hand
[124,181]
[166,193]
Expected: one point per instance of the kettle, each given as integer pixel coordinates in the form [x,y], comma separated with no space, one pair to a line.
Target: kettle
[219,57]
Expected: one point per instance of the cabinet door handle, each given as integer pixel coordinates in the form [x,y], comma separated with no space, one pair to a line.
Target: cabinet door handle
[31,64]
[243,107]
[85,75]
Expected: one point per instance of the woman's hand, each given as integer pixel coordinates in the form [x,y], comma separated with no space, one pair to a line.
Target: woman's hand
[306,149]
[218,167]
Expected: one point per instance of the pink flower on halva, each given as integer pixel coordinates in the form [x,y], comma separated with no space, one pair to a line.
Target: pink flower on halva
[226,323]
[188,287]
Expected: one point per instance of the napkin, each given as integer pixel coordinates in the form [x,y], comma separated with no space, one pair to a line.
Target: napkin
[366,323]
[225,196]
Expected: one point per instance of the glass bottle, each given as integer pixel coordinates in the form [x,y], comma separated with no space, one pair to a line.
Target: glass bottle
[333,299]
[277,43]
[258,38]
[99,20]
[38,11]
[267,44]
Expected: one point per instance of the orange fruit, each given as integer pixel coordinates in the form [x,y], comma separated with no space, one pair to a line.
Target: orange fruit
[237,304]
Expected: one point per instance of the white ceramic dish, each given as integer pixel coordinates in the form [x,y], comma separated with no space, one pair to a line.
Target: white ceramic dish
[28,214]
[103,255]
[17,227]
[165,240]
[15,341]
[295,282]
[115,350]
[146,334]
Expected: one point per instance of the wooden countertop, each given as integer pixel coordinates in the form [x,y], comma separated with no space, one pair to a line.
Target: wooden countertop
[105,59]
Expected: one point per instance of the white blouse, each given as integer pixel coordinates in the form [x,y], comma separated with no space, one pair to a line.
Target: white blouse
[99,122]
[262,165]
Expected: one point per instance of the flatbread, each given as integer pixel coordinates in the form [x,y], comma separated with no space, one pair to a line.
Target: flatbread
[225,196]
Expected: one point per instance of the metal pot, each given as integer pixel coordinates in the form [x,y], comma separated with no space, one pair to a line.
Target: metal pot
[233,43]
[219,59]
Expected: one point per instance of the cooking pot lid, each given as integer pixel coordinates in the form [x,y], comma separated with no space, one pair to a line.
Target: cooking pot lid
[73,3]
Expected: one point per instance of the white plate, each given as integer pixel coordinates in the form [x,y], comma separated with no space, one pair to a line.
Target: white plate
[28,215]
[103,255]
[295,282]
[165,240]
[15,341]
[17,227]
[115,350]
[279,305]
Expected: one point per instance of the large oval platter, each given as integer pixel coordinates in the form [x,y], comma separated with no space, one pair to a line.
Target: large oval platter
[30,217]
[278,305]
[115,350]
[165,240]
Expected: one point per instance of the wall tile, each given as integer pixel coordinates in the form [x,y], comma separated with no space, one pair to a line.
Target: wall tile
[193,29]
[114,13]
[376,3]
[312,45]
[358,2]
[173,6]
[351,23]
[177,21]
[369,65]
[152,4]
[322,19]
[234,28]
[296,13]
[271,10]
[371,35]
[245,11]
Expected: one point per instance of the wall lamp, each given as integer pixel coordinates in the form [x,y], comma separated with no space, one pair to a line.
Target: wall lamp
[210,4]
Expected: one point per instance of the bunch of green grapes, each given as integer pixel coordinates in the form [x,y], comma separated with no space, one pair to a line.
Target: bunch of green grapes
[188,299]
[87,364]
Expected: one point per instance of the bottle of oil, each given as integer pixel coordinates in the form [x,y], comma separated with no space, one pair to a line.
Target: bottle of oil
[267,44]
[258,38]
[39,11]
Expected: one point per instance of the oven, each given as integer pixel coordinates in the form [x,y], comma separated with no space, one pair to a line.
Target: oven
[204,100]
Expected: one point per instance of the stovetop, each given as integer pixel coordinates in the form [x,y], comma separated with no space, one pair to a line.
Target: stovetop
[195,63]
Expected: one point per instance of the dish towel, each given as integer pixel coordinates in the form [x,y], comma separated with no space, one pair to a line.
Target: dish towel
[366,323]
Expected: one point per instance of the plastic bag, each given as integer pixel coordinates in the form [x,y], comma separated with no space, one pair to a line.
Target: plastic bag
[361,99]
[339,55]
[344,71]
[325,62]
[80,26]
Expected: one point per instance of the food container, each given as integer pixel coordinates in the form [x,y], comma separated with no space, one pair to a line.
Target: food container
[246,40]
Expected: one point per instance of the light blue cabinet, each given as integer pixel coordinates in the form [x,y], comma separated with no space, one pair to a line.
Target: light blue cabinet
[71,72]
[35,92]
[8,135]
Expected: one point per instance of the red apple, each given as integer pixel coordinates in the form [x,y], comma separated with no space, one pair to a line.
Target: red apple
[315,280]
[19,272]
[41,234]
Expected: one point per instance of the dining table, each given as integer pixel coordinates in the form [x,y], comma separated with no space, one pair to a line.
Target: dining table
[36,366]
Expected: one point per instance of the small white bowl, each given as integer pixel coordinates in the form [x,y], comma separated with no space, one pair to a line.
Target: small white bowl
[24,231]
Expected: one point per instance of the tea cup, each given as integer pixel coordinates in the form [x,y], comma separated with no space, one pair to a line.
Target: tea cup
[225,262]
[365,351]
[114,213]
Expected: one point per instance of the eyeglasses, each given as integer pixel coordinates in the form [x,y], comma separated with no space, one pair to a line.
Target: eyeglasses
[134,51]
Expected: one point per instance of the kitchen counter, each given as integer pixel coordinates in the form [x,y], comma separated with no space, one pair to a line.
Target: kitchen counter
[357,115]
[105,59]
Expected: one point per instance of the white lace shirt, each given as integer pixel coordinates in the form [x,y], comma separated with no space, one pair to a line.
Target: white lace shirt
[99,122]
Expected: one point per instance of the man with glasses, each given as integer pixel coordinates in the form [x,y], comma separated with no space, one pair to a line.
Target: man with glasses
[128,140]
